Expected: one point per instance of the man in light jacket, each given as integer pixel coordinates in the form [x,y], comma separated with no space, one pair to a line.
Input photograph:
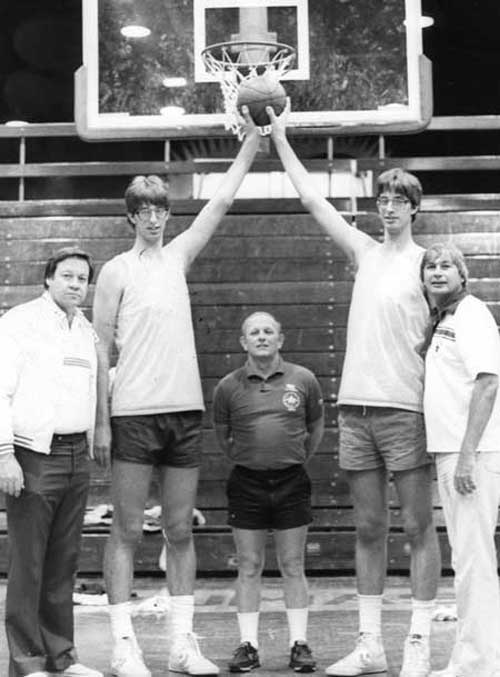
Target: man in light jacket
[47,411]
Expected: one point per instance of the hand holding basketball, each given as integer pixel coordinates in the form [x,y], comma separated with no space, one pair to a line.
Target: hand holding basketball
[279,122]
[259,92]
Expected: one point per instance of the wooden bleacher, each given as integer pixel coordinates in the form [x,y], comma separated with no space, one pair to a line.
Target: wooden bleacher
[267,254]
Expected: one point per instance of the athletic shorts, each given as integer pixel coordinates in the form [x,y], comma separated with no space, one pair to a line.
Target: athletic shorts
[172,439]
[381,437]
[269,499]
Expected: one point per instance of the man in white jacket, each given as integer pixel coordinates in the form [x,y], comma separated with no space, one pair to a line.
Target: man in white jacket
[47,411]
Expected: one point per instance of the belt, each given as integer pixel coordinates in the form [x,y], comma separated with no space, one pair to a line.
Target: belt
[68,438]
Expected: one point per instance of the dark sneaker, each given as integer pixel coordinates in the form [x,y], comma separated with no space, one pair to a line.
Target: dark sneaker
[245,658]
[301,658]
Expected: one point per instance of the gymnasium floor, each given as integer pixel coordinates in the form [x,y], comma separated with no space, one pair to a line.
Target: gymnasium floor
[332,625]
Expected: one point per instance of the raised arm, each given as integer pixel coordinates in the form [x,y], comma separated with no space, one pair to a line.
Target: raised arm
[107,299]
[203,227]
[350,240]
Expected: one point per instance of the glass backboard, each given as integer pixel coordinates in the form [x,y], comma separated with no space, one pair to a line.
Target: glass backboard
[359,66]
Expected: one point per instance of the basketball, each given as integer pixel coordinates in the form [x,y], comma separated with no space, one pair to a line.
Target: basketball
[259,92]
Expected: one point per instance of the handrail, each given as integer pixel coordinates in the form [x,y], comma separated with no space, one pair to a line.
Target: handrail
[438,122]
[106,168]
[23,170]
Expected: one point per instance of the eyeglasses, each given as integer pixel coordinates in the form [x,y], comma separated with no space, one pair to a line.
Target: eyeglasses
[145,213]
[397,201]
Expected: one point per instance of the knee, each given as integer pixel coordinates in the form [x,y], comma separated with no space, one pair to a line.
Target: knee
[178,533]
[416,526]
[292,567]
[371,529]
[126,529]
[250,565]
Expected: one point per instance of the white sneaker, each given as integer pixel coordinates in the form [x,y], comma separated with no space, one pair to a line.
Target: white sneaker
[416,657]
[40,673]
[127,659]
[367,658]
[185,656]
[79,670]
[446,672]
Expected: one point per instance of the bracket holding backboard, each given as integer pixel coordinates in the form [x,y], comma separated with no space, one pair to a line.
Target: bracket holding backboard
[359,68]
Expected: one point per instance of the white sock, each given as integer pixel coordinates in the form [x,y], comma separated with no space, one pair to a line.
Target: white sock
[421,617]
[120,617]
[297,625]
[248,622]
[181,615]
[370,614]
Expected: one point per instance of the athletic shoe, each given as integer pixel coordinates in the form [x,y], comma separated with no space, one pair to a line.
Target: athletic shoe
[127,659]
[40,673]
[368,657]
[416,657]
[185,656]
[245,658]
[301,658]
[446,672]
[79,670]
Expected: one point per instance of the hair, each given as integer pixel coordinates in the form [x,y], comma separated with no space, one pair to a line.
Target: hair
[146,189]
[399,181]
[61,255]
[435,251]
[259,312]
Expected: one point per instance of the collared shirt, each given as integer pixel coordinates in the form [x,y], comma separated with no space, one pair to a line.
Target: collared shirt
[72,413]
[47,375]
[464,344]
[268,417]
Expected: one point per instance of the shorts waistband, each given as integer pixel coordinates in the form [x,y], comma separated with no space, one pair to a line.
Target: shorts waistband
[68,438]
[267,472]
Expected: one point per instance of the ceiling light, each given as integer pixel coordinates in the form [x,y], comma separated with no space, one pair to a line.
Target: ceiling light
[424,22]
[174,82]
[172,111]
[135,31]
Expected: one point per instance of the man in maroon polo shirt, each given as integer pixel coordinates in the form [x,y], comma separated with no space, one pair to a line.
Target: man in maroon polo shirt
[269,421]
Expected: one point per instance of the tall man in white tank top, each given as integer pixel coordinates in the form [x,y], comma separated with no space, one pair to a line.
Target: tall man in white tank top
[142,305]
[380,406]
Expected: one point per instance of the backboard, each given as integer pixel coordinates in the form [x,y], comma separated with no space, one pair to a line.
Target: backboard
[359,65]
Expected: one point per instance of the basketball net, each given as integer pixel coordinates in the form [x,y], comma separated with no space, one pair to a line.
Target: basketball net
[235,62]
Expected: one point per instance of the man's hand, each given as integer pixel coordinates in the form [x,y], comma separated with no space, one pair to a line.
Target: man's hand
[463,480]
[249,128]
[102,444]
[279,122]
[11,475]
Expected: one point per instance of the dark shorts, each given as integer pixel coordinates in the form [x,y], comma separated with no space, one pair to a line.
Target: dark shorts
[158,439]
[269,499]
[381,437]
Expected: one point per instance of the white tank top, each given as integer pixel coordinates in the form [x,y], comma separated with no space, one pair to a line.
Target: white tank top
[388,318]
[157,369]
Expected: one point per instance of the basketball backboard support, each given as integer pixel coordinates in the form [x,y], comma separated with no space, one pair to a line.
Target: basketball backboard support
[359,66]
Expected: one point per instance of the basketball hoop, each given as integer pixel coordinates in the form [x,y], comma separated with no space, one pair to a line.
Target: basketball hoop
[236,61]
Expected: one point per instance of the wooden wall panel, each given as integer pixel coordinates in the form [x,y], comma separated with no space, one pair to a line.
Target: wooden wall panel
[266,255]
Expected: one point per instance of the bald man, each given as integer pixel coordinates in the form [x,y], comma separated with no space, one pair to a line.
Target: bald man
[268,419]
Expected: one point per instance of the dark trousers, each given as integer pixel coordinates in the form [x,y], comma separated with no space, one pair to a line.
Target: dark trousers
[44,526]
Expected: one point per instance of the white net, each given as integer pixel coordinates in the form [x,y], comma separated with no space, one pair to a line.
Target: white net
[234,62]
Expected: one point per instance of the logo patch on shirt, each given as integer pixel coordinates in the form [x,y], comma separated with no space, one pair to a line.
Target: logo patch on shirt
[291,397]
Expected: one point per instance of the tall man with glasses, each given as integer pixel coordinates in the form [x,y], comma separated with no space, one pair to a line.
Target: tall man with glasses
[142,305]
[380,406]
